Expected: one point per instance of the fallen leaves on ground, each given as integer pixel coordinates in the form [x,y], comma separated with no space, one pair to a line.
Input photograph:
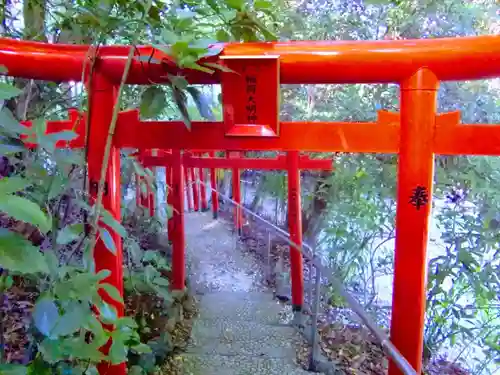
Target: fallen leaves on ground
[16,319]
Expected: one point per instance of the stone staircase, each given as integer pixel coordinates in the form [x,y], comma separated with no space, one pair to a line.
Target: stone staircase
[242,333]
[241,329]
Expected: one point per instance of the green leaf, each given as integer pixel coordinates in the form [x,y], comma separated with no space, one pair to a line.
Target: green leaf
[66,156]
[163,293]
[161,281]
[153,102]
[235,4]
[141,348]
[213,4]
[92,370]
[213,50]
[12,369]
[196,66]
[220,67]
[134,251]
[107,239]
[95,326]
[71,321]
[9,185]
[126,321]
[180,100]
[25,210]
[108,311]
[466,258]
[101,275]
[112,292]
[51,350]
[10,124]
[178,82]
[262,4]
[150,256]
[65,135]
[184,13]
[69,233]
[19,255]
[169,37]
[114,224]
[45,315]
[118,351]
[136,370]
[223,36]
[52,263]
[8,91]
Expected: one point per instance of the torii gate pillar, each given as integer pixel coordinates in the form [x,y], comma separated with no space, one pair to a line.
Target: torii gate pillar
[102,101]
[188,189]
[295,228]
[203,190]
[235,175]
[169,192]
[213,184]
[194,181]
[177,234]
[415,176]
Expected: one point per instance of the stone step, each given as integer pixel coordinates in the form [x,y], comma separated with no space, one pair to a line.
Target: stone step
[240,330]
[252,348]
[244,306]
[213,364]
[243,338]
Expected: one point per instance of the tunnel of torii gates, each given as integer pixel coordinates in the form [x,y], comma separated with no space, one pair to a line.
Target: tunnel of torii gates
[293,162]
[250,122]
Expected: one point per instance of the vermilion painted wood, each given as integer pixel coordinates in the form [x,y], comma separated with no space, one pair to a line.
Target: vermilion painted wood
[236,187]
[203,191]
[414,194]
[76,123]
[194,184]
[178,235]
[242,163]
[213,184]
[300,62]
[451,137]
[102,102]
[251,97]
[304,136]
[295,228]
[187,187]
[170,222]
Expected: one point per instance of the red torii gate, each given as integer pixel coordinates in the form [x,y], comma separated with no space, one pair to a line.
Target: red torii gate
[251,123]
[292,162]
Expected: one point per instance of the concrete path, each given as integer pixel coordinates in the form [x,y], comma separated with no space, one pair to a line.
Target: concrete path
[241,329]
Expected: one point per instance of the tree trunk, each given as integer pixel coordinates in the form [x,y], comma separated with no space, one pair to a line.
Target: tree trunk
[313,218]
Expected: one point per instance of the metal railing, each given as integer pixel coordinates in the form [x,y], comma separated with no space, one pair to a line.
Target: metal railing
[314,261]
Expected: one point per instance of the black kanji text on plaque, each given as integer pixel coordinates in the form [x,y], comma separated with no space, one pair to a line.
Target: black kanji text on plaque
[419,197]
[251,107]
